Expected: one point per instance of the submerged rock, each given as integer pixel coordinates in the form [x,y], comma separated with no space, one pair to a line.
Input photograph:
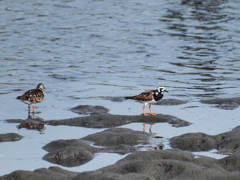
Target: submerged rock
[10,137]
[88,109]
[170,102]
[224,103]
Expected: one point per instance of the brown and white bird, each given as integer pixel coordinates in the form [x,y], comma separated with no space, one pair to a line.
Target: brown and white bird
[149,97]
[33,96]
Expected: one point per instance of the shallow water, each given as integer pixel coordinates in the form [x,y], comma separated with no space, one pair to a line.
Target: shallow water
[87,51]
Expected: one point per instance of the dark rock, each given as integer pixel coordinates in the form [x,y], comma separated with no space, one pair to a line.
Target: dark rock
[194,142]
[109,120]
[76,151]
[88,109]
[10,137]
[168,164]
[151,165]
[224,103]
[51,173]
[232,162]
[118,140]
[111,176]
[69,153]
[170,102]
[227,143]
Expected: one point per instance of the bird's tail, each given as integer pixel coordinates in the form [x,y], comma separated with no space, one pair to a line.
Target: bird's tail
[19,97]
[130,97]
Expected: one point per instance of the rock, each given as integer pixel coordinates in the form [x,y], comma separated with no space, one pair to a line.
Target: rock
[232,162]
[10,137]
[69,153]
[151,165]
[227,143]
[164,165]
[51,173]
[109,120]
[99,118]
[88,109]
[170,102]
[111,176]
[224,103]
[194,142]
[118,140]
[75,152]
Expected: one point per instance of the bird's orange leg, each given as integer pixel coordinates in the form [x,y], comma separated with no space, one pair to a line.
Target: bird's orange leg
[33,107]
[144,111]
[150,129]
[151,111]
[144,127]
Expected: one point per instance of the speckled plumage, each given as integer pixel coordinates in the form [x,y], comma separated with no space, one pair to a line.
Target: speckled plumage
[33,96]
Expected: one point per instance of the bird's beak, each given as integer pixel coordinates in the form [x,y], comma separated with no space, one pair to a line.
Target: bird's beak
[165,91]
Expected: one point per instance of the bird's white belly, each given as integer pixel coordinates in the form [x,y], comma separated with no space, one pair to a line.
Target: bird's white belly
[149,102]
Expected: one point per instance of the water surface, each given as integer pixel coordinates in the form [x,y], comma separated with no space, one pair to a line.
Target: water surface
[87,51]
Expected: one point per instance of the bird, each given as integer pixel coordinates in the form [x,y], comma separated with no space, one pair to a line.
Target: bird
[149,97]
[33,96]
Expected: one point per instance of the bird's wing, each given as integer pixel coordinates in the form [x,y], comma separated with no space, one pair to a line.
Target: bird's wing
[145,96]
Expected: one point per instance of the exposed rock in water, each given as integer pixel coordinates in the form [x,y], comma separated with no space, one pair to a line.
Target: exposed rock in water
[76,151]
[151,165]
[10,137]
[170,102]
[110,120]
[69,153]
[118,140]
[88,109]
[227,143]
[224,103]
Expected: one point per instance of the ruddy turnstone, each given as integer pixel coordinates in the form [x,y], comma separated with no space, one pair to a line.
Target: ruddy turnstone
[149,97]
[33,96]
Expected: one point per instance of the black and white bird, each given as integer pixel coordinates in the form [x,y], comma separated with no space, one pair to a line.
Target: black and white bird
[149,97]
[33,96]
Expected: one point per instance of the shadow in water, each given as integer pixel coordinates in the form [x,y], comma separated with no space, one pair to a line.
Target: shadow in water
[33,123]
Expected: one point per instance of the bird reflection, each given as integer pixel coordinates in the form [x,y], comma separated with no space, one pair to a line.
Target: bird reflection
[33,123]
[144,127]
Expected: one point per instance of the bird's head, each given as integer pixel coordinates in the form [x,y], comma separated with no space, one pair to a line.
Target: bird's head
[161,89]
[40,86]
